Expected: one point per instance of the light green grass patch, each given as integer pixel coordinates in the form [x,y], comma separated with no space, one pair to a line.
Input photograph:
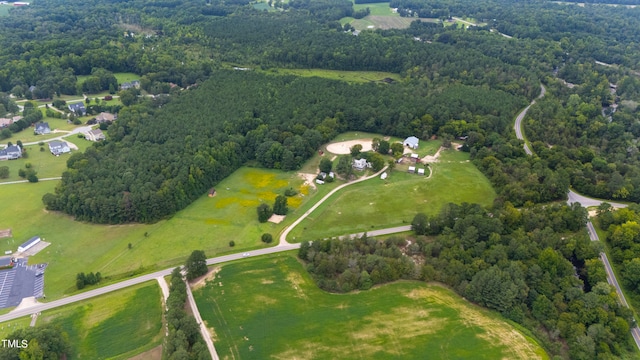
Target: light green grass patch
[4,10]
[268,307]
[380,9]
[348,76]
[116,325]
[9,327]
[376,203]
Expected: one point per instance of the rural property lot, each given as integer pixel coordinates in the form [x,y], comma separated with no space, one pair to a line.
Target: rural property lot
[377,203]
[269,308]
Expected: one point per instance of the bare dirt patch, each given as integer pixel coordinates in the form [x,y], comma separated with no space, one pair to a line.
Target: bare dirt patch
[344,147]
[71,145]
[5,233]
[201,281]
[276,219]
[26,303]
[432,158]
[593,213]
[308,179]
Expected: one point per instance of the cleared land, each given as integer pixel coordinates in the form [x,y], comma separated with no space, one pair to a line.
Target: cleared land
[348,76]
[208,224]
[377,203]
[117,325]
[43,162]
[270,308]
[4,10]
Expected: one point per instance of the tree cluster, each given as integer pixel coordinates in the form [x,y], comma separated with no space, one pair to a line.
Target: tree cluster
[345,265]
[82,279]
[43,342]
[196,265]
[184,340]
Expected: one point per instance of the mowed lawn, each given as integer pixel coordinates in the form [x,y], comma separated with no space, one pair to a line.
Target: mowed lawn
[208,224]
[44,163]
[269,307]
[377,204]
[115,326]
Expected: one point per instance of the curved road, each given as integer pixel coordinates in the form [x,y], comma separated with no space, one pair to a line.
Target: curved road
[574,197]
[518,125]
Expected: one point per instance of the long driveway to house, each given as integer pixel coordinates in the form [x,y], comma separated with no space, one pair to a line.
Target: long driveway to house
[283,235]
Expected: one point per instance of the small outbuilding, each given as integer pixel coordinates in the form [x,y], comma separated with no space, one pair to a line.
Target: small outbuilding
[415,157]
[383,176]
[420,171]
[29,244]
[412,169]
[212,192]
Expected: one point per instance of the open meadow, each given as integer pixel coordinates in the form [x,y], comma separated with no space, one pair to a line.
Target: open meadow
[114,326]
[208,224]
[4,9]
[342,75]
[269,307]
[376,203]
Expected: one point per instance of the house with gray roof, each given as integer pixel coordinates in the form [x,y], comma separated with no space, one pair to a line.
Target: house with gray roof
[411,142]
[42,128]
[11,153]
[94,135]
[78,109]
[59,147]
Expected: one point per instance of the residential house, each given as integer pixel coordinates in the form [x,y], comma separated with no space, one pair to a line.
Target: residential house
[94,135]
[105,116]
[58,147]
[42,128]
[78,109]
[4,122]
[361,164]
[11,153]
[411,142]
[130,85]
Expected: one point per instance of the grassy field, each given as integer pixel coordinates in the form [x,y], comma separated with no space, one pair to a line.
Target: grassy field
[376,203]
[208,224]
[4,9]
[376,9]
[45,164]
[270,308]
[121,77]
[348,76]
[115,326]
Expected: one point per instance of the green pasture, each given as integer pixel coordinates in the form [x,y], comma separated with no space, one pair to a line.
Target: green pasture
[121,77]
[268,307]
[381,9]
[117,325]
[348,76]
[11,326]
[376,203]
[208,224]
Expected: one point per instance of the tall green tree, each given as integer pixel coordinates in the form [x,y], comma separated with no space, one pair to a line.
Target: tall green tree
[196,264]
[280,205]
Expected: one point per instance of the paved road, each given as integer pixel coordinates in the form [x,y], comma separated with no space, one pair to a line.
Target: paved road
[283,235]
[78,130]
[518,125]
[586,202]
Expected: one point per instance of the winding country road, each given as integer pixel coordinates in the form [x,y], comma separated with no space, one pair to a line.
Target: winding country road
[518,125]
[584,201]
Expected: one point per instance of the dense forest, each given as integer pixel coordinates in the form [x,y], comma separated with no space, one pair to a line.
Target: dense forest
[534,265]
